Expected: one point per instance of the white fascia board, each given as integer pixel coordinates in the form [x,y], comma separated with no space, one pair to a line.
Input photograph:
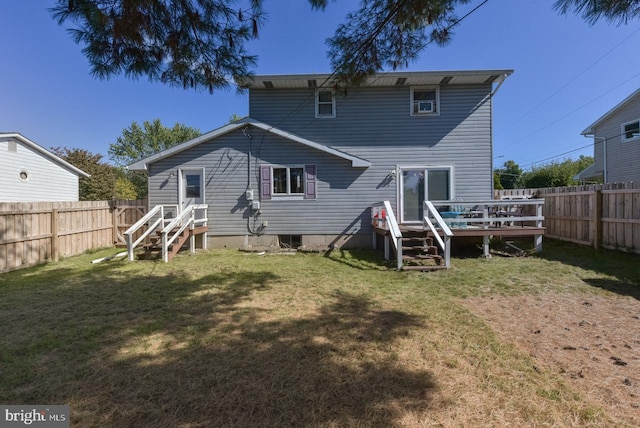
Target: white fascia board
[356,162]
[141,165]
[46,153]
[590,130]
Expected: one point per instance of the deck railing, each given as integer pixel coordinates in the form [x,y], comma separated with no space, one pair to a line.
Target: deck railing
[483,214]
[383,217]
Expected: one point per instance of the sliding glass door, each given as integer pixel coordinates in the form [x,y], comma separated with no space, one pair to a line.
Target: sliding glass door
[420,184]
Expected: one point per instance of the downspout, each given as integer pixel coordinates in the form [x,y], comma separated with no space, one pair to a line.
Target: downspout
[249,184]
[604,156]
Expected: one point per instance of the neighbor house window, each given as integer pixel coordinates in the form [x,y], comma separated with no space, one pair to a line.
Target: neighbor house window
[325,103]
[297,182]
[425,101]
[630,131]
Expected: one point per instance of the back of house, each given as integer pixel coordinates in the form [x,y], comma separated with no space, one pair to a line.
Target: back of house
[309,162]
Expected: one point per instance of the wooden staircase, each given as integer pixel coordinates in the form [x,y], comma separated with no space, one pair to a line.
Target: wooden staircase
[419,251]
[153,249]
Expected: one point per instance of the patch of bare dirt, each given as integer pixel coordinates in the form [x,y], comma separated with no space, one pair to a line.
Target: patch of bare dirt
[594,342]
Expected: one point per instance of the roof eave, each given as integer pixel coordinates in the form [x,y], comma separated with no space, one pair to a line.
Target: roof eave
[35,146]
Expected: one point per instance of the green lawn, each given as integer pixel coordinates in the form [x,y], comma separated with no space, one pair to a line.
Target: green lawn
[225,338]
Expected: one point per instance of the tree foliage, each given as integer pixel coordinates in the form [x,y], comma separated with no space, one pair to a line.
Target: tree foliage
[138,142]
[201,43]
[510,175]
[106,181]
[556,174]
[615,11]
[385,34]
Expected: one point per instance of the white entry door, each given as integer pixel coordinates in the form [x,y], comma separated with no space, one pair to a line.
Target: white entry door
[191,187]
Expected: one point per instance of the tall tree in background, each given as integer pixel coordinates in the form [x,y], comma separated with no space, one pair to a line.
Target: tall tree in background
[138,142]
[201,43]
[510,175]
[615,11]
[106,181]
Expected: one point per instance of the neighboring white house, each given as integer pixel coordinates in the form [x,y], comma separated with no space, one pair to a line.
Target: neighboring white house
[616,143]
[29,172]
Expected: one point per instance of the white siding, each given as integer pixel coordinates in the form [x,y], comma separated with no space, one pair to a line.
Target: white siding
[47,181]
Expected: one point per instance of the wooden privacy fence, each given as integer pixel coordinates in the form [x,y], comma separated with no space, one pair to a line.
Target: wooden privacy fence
[599,215]
[37,232]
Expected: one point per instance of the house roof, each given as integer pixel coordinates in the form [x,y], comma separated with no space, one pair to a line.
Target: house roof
[590,130]
[44,152]
[393,78]
[142,164]
[588,173]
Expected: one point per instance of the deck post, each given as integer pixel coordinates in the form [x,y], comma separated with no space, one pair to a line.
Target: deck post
[374,239]
[485,247]
[386,247]
[447,250]
[399,247]
[537,239]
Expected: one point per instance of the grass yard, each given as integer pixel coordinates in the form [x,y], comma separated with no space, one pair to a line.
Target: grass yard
[307,340]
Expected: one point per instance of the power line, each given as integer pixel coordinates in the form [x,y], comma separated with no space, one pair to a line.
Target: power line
[571,112]
[569,82]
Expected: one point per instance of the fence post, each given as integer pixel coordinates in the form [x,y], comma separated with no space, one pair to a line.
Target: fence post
[54,234]
[597,220]
[114,221]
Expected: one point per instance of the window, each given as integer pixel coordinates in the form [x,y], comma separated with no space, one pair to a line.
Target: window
[288,181]
[295,182]
[424,101]
[325,104]
[630,131]
[192,182]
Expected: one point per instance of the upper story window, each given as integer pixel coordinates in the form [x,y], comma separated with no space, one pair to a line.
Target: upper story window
[325,103]
[631,131]
[425,101]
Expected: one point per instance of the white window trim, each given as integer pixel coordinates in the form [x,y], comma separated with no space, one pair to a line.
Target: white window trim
[437,100]
[333,104]
[181,184]
[400,198]
[623,133]
[287,196]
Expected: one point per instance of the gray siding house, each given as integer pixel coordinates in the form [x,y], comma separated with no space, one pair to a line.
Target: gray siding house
[616,143]
[29,172]
[309,162]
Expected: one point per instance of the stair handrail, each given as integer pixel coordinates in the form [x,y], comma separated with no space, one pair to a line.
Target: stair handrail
[131,245]
[394,231]
[445,244]
[187,214]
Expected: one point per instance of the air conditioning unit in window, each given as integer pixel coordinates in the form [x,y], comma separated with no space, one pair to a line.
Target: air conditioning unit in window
[426,106]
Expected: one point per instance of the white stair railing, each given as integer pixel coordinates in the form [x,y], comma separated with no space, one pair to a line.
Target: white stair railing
[160,211]
[186,219]
[444,242]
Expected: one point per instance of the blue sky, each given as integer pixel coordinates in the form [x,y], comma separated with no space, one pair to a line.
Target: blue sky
[567,74]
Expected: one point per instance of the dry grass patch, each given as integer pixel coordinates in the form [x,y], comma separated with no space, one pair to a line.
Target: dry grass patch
[228,339]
